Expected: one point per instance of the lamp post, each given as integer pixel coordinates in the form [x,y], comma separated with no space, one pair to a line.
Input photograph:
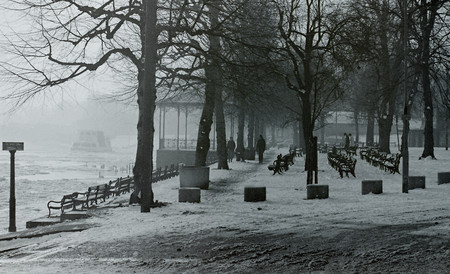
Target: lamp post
[12,147]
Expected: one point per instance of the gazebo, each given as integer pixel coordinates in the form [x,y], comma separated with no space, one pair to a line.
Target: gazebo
[180,149]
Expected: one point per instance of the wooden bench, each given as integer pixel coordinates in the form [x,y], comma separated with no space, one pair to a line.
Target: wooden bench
[298,152]
[351,150]
[65,203]
[392,164]
[282,163]
[348,167]
[93,195]
[121,186]
[384,161]
[324,149]
[342,163]
[156,175]
[287,160]
[99,193]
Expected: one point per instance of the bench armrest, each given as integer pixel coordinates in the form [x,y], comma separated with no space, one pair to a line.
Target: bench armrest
[54,202]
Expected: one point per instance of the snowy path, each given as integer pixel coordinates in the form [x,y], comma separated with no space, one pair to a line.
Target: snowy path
[347,233]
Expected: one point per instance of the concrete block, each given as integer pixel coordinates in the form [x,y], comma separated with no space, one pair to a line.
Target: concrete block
[371,186]
[416,182]
[74,215]
[194,176]
[254,194]
[443,178]
[189,195]
[317,192]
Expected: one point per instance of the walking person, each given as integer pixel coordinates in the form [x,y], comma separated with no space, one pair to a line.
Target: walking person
[261,147]
[231,146]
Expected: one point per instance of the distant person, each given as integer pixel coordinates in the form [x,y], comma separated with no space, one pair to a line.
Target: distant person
[261,147]
[231,146]
[347,141]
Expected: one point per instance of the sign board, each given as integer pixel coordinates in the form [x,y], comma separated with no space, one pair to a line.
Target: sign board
[12,146]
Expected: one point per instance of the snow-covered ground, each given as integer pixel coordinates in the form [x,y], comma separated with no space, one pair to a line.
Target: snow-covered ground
[347,233]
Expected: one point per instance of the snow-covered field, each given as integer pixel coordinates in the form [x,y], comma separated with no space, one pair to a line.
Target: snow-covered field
[347,233]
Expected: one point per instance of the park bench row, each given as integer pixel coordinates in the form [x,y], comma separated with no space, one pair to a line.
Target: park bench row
[342,163]
[386,162]
[349,151]
[99,193]
[282,163]
[298,152]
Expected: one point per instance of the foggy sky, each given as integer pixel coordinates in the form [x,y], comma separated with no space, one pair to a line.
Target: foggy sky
[61,112]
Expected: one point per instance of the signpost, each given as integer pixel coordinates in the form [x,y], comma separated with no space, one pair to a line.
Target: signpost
[12,147]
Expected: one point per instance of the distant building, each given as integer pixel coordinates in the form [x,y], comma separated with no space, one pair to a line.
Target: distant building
[92,141]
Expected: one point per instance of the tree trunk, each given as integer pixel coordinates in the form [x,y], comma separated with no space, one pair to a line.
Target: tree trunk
[384,129]
[388,85]
[212,76]
[222,152]
[404,150]
[144,157]
[251,130]
[240,147]
[310,154]
[446,128]
[301,135]
[206,120]
[139,166]
[428,148]
[257,130]
[322,129]
[428,14]
[370,128]
[356,119]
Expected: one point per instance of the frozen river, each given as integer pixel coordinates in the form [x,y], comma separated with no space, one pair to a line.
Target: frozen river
[44,175]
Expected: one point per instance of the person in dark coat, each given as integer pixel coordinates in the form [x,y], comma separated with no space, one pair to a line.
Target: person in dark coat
[261,147]
[347,141]
[231,146]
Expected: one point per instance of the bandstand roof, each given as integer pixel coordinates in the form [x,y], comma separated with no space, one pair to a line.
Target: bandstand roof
[182,99]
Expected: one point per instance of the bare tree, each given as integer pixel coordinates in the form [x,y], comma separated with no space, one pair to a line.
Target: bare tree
[307,39]
[425,32]
[74,39]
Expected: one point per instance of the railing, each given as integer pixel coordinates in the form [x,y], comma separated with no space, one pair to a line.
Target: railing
[183,144]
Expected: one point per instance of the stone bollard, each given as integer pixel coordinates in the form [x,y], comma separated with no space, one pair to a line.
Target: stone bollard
[443,178]
[194,176]
[416,182]
[317,192]
[372,186]
[254,194]
[189,195]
